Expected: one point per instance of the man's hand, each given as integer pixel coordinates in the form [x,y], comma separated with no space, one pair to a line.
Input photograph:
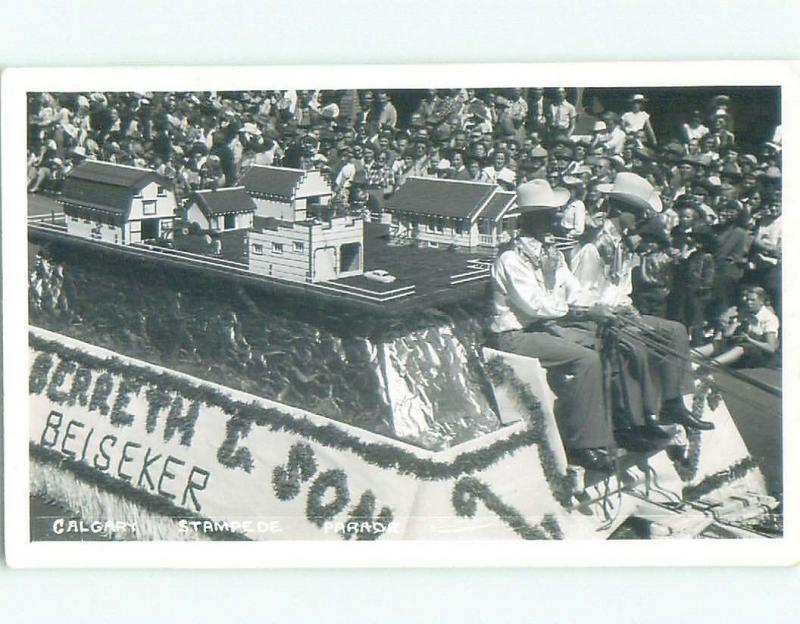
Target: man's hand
[600,312]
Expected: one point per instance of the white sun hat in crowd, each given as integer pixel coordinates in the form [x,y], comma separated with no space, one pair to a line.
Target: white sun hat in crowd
[538,194]
[634,190]
[506,175]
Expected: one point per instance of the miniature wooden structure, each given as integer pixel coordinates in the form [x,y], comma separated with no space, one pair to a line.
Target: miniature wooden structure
[117,204]
[220,210]
[452,212]
[286,194]
[307,251]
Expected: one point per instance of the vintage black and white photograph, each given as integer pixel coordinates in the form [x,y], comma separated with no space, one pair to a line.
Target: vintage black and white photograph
[534,312]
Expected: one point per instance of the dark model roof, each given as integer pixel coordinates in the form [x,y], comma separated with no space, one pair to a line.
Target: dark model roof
[497,204]
[224,201]
[105,186]
[274,181]
[444,198]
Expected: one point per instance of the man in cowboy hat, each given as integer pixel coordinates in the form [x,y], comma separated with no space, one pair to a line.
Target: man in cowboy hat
[635,199]
[532,292]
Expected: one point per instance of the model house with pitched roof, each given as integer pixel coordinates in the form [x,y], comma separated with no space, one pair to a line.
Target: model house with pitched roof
[286,194]
[117,203]
[220,210]
[452,212]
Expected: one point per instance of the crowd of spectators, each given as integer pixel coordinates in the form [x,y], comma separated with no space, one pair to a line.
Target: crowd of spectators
[720,228]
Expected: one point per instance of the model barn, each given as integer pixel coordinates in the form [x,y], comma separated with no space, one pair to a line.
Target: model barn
[220,210]
[451,212]
[117,204]
[286,194]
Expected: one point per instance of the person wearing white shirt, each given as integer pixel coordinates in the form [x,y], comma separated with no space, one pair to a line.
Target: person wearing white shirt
[637,119]
[748,332]
[561,114]
[603,267]
[533,289]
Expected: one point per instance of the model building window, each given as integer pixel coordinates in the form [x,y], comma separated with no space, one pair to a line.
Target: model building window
[258,249]
[439,224]
[161,192]
[149,207]
[299,246]
[230,221]
[458,226]
[277,248]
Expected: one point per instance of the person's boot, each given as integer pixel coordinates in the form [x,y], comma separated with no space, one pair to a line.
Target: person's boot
[674,411]
[591,459]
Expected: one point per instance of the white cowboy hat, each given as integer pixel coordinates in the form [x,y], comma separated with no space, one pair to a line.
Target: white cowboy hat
[634,190]
[638,97]
[538,194]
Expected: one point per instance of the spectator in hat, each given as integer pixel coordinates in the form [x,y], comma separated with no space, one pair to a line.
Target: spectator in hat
[638,120]
[536,163]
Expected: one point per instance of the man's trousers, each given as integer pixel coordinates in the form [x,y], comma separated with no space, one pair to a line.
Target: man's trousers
[580,411]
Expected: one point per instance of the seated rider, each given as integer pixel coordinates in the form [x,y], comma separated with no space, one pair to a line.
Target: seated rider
[656,371]
[533,289]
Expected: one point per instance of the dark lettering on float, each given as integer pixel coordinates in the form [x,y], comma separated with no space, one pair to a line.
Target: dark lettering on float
[68,435]
[157,401]
[166,474]
[144,474]
[86,444]
[125,458]
[40,369]
[79,391]
[300,467]
[102,452]
[52,425]
[230,456]
[319,512]
[54,392]
[176,421]
[102,390]
[119,416]
[192,485]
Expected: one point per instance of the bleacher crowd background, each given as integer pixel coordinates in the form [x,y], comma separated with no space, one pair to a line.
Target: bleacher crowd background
[719,232]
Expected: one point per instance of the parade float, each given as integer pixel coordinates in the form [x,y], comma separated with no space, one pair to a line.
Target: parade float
[207,393]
